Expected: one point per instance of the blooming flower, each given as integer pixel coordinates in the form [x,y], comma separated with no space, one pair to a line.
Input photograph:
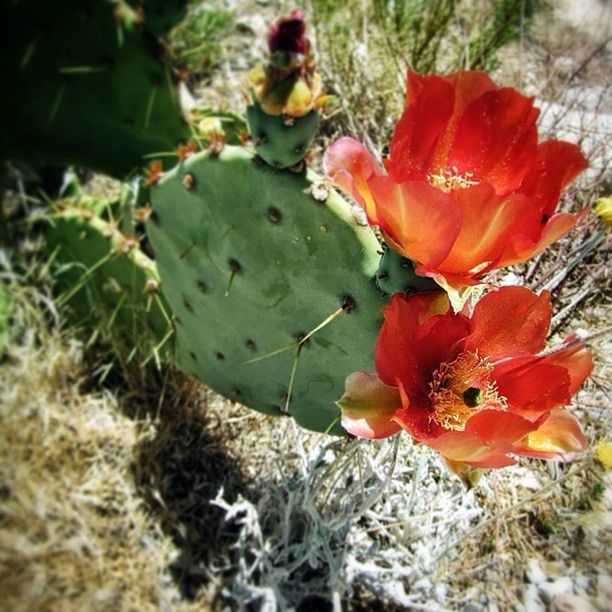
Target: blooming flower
[467,187]
[475,388]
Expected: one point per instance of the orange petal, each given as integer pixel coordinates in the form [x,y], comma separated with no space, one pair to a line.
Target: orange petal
[575,357]
[421,222]
[559,437]
[368,405]
[486,227]
[350,166]
[469,448]
[499,429]
[508,322]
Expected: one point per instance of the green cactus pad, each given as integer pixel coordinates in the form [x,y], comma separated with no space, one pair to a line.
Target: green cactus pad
[281,141]
[104,284]
[250,262]
[86,87]
[396,275]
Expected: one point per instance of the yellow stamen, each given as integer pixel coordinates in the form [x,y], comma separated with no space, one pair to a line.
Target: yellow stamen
[449,180]
[461,387]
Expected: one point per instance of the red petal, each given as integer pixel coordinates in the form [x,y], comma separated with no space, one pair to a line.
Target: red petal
[486,225]
[350,166]
[531,386]
[415,417]
[558,163]
[496,139]
[530,239]
[368,405]
[575,357]
[429,106]
[396,348]
[508,322]
[559,437]
[420,221]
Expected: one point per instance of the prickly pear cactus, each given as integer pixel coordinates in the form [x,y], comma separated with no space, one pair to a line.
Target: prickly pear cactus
[86,84]
[281,141]
[106,282]
[252,260]
[396,275]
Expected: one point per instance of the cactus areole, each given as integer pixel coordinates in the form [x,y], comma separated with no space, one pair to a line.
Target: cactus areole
[252,260]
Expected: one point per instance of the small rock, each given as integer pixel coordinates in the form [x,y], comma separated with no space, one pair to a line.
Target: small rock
[604,592]
[534,572]
[568,602]
[531,600]
[549,590]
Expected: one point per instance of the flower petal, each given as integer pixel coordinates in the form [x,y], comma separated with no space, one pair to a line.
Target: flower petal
[415,417]
[559,437]
[429,105]
[500,429]
[486,223]
[350,166]
[508,322]
[396,348]
[558,163]
[531,386]
[496,139]
[420,221]
[368,405]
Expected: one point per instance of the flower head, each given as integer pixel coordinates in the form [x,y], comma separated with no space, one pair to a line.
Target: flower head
[477,388]
[289,84]
[466,187]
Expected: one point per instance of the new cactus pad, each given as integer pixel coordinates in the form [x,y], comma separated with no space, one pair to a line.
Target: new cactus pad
[251,261]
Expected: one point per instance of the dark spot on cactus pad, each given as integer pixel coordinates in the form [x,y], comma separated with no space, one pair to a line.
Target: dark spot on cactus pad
[193,355]
[202,286]
[220,356]
[234,265]
[187,305]
[237,392]
[257,160]
[154,218]
[178,321]
[250,344]
[261,139]
[348,303]
[274,215]
[300,148]
[189,181]
[300,339]
[382,275]
[405,263]
[129,120]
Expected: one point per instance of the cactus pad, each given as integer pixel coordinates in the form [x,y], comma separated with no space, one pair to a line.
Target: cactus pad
[281,141]
[396,275]
[86,85]
[106,282]
[250,262]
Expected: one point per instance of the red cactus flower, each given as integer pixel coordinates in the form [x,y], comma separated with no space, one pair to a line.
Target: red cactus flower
[467,187]
[475,388]
[288,34]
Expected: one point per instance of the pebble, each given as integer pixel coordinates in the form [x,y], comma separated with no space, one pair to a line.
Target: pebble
[549,590]
[603,599]
[534,572]
[568,602]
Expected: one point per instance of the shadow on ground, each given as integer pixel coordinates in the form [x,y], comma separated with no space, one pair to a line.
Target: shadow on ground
[179,471]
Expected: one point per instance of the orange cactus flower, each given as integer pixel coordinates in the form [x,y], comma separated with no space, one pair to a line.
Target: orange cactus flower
[467,188]
[476,387]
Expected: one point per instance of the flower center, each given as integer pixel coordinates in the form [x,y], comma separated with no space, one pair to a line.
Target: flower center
[449,180]
[461,387]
